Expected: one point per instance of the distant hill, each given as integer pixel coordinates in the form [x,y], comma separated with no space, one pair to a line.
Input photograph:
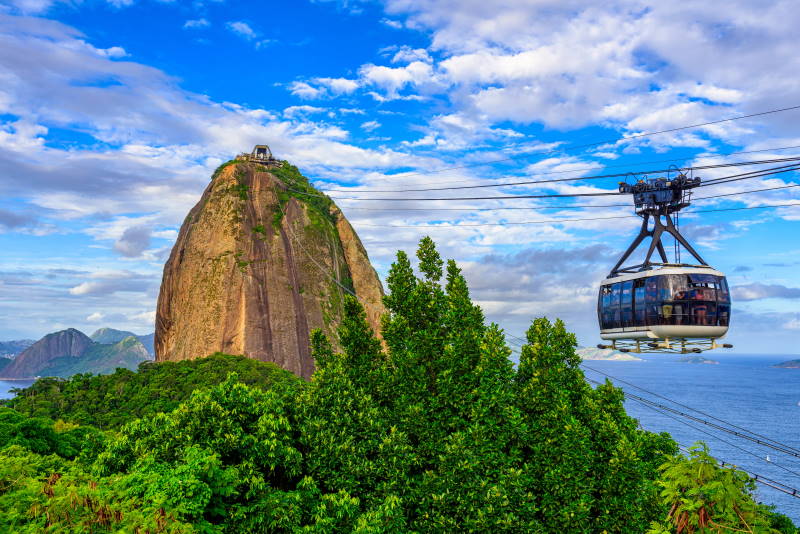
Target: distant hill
[111,335]
[9,349]
[591,353]
[791,364]
[697,359]
[71,351]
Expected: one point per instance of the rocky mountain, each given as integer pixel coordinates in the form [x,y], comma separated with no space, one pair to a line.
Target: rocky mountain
[791,364]
[260,261]
[108,335]
[111,335]
[9,349]
[71,351]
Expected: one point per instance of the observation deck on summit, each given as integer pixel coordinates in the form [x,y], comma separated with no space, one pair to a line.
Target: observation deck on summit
[260,154]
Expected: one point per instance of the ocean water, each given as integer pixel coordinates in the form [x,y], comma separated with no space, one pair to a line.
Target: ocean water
[742,389]
[7,385]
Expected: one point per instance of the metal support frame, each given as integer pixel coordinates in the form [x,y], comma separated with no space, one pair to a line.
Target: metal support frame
[667,345]
[656,244]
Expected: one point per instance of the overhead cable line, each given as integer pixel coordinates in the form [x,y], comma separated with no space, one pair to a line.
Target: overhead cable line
[319,267]
[616,165]
[785,450]
[615,379]
[725,441]
[599,143]
[560,221]
[724,179]
[780,486]
[571,206]
[571,179]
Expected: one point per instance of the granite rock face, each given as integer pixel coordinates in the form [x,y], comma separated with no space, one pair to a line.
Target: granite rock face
[68,343]
[259,262]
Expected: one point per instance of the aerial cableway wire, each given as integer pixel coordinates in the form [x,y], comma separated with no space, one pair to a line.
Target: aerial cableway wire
[560,221]
[653,393]
[745,433]
[543,173]
[599,143]
[724,179]
[780,486]
[573,179]
[730,444]
[706,432]
[571,206]
[758,441]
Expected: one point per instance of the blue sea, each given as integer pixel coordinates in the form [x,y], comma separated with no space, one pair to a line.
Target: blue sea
[7,385]
[743,389]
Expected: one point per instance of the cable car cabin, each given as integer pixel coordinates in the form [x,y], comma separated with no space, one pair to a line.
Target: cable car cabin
[681,309]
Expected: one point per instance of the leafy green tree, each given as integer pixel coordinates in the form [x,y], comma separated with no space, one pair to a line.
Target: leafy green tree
[705,498]
[110,401]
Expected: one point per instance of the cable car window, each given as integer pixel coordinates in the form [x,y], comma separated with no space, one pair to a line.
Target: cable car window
[616,291]
[605,311]
[639,302]
[653,303]
[626,303]
[723,295]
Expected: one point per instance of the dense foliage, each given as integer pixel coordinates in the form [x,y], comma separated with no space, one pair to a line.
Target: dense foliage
[109,401]
[431,430]
[705,497]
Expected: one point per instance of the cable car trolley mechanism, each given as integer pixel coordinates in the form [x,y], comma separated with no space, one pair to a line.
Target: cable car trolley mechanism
[662,306]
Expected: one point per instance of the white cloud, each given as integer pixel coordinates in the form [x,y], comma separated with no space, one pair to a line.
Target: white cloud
[196,24]
[295,111]
[393,79]
[242,29]
[406,54]
[95,317]
[306,91]
[338,86]
[392,23]
[370,126]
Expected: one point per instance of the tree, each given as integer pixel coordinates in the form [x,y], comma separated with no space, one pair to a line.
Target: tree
[703,497]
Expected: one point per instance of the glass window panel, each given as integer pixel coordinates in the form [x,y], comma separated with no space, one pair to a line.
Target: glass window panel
[616,291]
[653,303]
[639,303]
[626,303]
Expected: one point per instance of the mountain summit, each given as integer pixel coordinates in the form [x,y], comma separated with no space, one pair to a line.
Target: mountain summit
[260,261]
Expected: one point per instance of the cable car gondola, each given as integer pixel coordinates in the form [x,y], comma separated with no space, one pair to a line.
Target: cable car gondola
[663,306]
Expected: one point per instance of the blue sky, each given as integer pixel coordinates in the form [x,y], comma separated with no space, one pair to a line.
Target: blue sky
[114,113]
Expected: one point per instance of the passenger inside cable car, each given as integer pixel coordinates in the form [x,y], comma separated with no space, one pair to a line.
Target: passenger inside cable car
[693,299]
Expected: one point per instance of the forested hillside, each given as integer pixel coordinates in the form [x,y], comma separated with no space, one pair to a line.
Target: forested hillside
[109,401]
[433,431]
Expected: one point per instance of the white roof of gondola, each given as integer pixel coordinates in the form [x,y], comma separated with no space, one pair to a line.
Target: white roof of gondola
[667,269]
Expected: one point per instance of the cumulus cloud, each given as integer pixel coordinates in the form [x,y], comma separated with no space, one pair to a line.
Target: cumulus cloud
[134,241]
[370,126]
[103,284]
[242,29]
[757,291]
[193,24]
